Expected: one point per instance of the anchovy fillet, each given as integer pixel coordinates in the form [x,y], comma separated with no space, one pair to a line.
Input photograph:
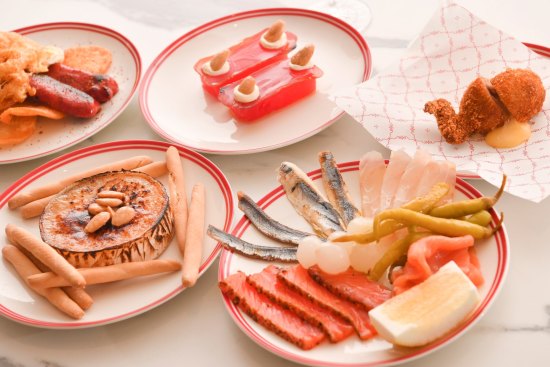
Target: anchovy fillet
[234,244]
[308,201]
[336,188]
[267,225]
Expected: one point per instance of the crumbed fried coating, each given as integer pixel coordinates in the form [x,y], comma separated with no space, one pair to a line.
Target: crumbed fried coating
[19,58]
[521,91]
[447,121]
[487,105]
[480,109]
[479,112]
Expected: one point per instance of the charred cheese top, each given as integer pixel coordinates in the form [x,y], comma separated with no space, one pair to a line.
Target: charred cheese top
[64,218]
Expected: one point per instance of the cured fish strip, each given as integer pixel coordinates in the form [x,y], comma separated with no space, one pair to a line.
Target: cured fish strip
[298,279]
[235,244]
[267,225]
[371,175]
[353,286]
[283,322]
[434,172]
[266,282]
[399,160]
[427,255]
[336,188]
[308,201]
[410,179]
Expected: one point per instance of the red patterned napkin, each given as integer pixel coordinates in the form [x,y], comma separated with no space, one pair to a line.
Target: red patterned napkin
[453,49]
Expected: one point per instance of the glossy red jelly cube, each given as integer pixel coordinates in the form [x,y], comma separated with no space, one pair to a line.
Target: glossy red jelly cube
[279,86]
[244,58]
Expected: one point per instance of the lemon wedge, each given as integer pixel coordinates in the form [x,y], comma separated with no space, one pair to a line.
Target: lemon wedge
[428,310]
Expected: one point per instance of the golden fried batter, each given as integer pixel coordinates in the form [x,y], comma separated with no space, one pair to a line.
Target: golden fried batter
[19,58]
[447,121]
[480,109]
[521,91]
[487,105]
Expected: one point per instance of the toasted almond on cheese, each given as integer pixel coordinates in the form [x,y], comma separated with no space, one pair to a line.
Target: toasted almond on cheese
[428,310]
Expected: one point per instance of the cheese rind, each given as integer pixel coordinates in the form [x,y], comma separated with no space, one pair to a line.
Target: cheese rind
[428,310]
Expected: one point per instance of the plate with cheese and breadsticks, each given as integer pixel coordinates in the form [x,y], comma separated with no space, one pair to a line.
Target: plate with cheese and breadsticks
[108,232]
[61,83]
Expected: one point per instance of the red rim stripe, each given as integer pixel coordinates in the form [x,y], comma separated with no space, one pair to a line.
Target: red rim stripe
[76,155]
[94,29]
[501,270]
[159,60]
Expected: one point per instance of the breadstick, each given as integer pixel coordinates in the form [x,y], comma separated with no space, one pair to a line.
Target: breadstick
[106,274]
[155,169]
[45,254]
[35,208]
[178,197]
[25,197]
[25,268]
[79,295]
[195,235]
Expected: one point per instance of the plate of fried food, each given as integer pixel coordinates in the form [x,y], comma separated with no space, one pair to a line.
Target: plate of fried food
[60,84]
[108,232]
[253,81]
[369,263]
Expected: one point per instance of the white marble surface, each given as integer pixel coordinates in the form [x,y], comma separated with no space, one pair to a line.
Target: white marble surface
[193,328]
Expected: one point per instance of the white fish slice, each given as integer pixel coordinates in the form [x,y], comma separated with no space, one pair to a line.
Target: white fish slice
[450,180]
[372,168]
[411,178]
[435,172]
[399,160]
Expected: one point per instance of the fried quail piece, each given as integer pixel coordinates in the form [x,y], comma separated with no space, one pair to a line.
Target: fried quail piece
[479,112]
[486,105]
[480,109]
[447,121]
[521,91]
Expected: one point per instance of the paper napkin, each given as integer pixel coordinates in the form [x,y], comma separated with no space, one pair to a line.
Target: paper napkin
[454,48]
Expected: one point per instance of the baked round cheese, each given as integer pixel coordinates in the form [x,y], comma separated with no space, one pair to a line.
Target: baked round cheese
[144,237]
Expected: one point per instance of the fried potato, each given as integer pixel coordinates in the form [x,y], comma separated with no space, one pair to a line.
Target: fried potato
[19,58]
[8,116]
[93,59]
[21,128]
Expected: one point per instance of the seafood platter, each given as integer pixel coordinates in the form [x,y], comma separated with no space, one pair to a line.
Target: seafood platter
[365,256]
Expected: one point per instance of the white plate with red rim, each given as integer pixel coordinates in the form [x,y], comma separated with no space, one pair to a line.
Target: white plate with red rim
[120,300]
[493,255]
[173,102]
[54,135]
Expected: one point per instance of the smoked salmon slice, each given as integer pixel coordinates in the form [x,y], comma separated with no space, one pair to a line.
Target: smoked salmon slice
[353,286]
[259,307]
[298,278]
[427,255]
[266,282]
